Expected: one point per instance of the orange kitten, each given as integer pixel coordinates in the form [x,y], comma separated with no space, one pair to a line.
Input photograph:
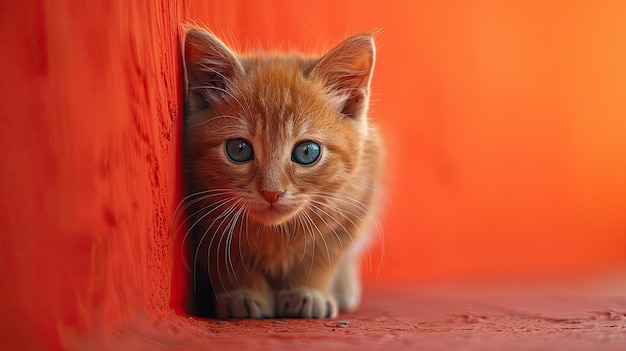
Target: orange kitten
[282,169]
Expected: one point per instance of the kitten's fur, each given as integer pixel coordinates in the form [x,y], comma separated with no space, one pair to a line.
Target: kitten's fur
[277,238]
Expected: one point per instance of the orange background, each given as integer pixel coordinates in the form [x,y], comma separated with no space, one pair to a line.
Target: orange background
[505,125]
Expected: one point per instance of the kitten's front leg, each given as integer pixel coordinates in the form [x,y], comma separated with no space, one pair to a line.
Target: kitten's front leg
[307,294]
[346,286]
[248,297]
[243,303]
[306,302]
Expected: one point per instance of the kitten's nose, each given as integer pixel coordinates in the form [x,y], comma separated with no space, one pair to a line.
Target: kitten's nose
[272,196]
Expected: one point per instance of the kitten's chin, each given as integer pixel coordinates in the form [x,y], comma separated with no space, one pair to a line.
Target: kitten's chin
[273,215]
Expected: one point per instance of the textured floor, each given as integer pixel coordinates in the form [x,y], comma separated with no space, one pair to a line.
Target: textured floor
[583,315]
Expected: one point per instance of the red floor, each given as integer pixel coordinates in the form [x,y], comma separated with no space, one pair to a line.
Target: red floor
[581,315]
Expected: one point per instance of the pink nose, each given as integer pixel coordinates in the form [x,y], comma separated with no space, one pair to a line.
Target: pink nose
[272,196]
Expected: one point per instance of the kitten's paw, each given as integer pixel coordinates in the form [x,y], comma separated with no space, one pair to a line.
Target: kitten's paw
[306,303]
[243,304]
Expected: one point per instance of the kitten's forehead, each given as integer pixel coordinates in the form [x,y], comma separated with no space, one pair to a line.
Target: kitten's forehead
[282,98]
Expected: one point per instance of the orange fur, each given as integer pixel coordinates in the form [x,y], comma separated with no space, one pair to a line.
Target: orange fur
[276,237]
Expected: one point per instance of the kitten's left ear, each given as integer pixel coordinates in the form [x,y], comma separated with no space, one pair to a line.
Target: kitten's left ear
[346,71]
[210,68]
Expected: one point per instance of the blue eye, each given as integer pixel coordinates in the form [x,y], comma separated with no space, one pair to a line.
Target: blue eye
[239,150]
[306,153]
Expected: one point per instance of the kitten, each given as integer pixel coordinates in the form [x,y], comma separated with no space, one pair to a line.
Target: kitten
[283,170]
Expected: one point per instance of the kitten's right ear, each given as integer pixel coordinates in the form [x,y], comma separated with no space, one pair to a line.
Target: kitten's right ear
[346,71]
[210,68]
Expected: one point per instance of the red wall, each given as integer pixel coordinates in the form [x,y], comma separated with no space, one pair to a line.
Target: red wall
[504,123]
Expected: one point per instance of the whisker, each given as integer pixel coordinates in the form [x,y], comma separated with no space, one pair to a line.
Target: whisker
[206,66]
[229,240]
[199,243]
[340,211]
[246,215]
[329,226]
[322,236]
[333,202]
[199,220]
[227,213]
[346,199]
[312,235]
[183,205]
[214,118]
[300,221]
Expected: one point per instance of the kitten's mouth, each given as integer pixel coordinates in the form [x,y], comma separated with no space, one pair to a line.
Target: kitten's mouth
[273,214]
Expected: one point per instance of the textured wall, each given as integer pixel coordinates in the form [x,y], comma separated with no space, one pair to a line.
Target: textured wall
[90,108]
[505,126]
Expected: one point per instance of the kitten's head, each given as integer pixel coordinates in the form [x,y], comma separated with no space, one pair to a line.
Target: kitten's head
[274,134]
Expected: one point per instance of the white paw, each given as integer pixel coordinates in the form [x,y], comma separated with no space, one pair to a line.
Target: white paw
[243,304]
[306,303]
